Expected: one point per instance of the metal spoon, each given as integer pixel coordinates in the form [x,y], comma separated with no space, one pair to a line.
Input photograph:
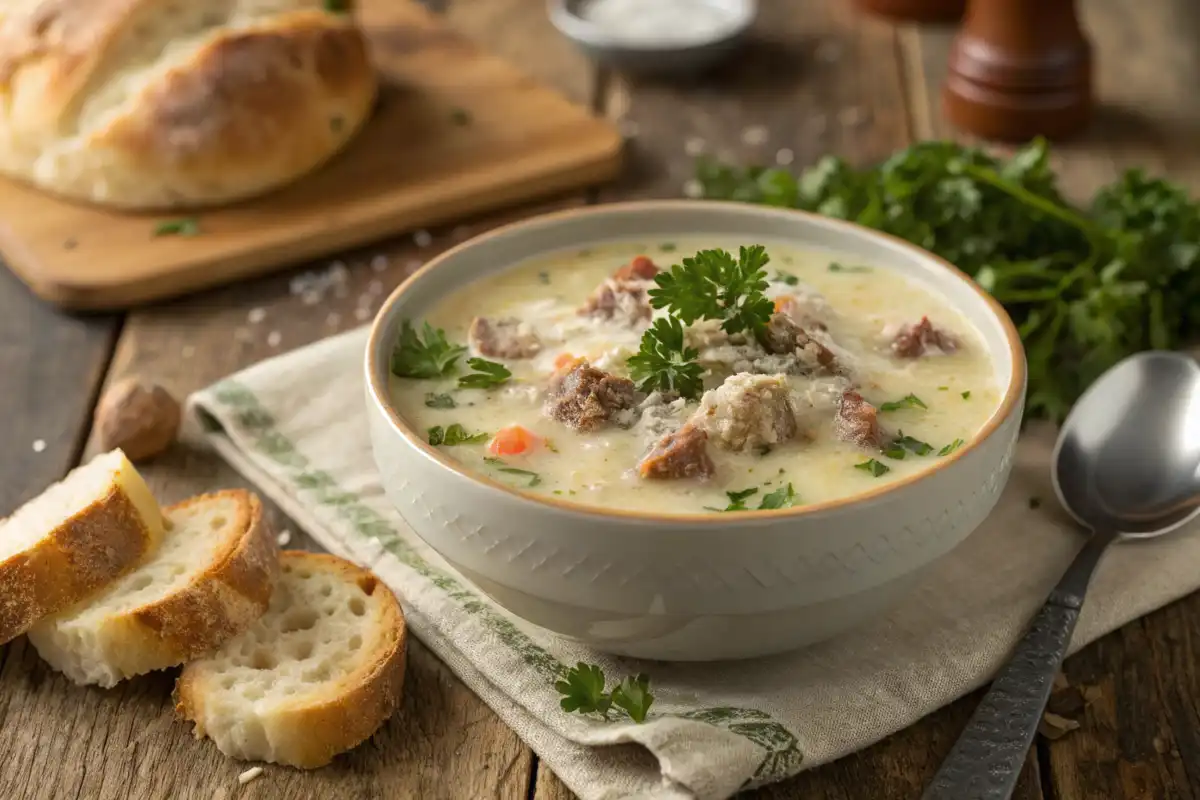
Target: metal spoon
[1127,465]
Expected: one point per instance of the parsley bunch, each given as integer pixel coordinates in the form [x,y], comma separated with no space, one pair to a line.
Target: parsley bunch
[1086,286]
[426,354]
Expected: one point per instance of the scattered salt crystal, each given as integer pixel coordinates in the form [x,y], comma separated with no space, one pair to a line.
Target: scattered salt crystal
[852,117]
[694,146]
[339,272]
[755,135]
[374,288]
[283,538]
[39,445]
[249,775]
[362,314]
[313,287]
[310,298]
[188,351]
[256,315]
[333,319]
[274,338]
[422,238]
[784,157]
[693,188]
[379,263]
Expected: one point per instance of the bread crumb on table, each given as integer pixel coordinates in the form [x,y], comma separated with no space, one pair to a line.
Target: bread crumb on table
[284,538]
[249,775]
[39,445]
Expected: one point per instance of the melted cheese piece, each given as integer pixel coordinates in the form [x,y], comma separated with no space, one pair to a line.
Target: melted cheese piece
[866,304]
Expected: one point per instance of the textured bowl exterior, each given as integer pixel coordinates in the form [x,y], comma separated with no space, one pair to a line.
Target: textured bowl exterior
[685,587]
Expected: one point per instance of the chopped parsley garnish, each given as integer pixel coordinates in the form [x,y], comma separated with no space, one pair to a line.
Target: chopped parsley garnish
[737,500]
[943,388]
[908,401]
[874,467]
[664,363]
[712,285]
[582,690]
[486,375]
[424,355]
[783,497]
[1035,503]
[544,278]
[895,450]
[454,434]
[950,448]
[966,395]
[534,478]
[783,277]
[186,226]
[834,266]
[915,445]
[460,117]
[439,400]
[667,247]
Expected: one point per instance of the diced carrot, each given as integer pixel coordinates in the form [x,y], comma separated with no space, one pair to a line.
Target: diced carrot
[564,359]
[640,268]
[513,440]
[784,303]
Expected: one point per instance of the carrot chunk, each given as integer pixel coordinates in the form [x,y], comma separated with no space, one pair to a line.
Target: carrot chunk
[563,359]
[513,440]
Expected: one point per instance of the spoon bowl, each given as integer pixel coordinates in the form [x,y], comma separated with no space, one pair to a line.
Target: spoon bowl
[1128,457]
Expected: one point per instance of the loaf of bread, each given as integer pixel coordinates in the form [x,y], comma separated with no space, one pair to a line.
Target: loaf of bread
[208,581]
[163,104]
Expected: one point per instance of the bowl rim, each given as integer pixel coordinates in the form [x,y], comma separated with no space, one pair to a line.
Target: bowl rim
[570,24]
[377,389]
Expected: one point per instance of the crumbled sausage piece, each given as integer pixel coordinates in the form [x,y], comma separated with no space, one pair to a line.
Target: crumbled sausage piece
[914,341]
[748,411]
[639,269]
[857,422]
[624,297]
[680,454]
[503,338]
[627,302]
[584,398]
[783,336]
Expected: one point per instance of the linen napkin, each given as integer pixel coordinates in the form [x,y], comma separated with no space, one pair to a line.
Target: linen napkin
[296,426]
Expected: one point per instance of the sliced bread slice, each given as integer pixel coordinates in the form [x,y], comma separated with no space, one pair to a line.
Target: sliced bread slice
[208,580]
[313,677]
[79,535]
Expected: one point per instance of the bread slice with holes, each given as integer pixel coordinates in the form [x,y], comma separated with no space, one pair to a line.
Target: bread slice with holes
[208,580]
[79,535]
[313,677]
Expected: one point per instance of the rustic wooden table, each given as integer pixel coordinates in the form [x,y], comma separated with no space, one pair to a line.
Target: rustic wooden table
[821,79]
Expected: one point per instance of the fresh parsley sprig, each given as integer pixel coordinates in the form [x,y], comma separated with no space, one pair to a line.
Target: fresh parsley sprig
[426,354]
[454,434]
[533,479]
[487,374]
[664,363]
[712,285]
[783,497]
[582,691]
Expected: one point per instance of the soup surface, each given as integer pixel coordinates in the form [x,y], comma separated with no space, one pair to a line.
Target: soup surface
[859,378]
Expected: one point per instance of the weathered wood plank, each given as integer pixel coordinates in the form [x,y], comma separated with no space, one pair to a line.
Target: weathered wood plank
[50,367]
[819,79]
[1138,736]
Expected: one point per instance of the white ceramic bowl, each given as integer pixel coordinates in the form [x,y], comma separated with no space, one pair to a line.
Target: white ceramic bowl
[691,587]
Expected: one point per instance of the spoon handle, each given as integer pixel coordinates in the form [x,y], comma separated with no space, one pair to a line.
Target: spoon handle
[987,758]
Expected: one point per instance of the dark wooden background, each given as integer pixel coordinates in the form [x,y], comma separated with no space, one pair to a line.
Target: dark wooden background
[820,78]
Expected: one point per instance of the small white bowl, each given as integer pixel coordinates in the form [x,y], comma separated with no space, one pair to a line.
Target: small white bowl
[653,56]
[691,586]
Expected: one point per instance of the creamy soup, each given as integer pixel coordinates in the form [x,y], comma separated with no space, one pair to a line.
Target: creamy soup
[860,378]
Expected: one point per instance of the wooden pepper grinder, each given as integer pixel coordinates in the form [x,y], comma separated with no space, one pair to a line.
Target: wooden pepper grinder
[1019,69]
[916,10]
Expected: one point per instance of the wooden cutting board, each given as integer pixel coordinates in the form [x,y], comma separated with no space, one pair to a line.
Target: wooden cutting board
[457,132]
